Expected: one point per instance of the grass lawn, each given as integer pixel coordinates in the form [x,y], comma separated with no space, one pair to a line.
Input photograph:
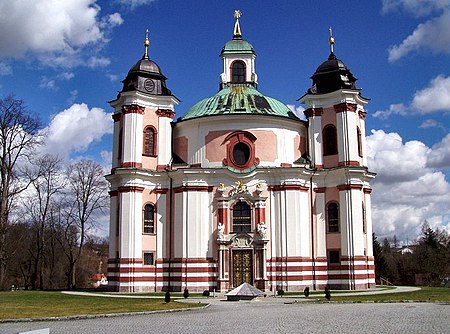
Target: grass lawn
[426,294]
[37,304]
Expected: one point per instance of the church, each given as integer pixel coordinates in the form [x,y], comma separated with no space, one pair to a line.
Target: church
[239,189]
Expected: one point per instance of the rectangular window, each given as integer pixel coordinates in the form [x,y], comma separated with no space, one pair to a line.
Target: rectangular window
[364,219]
[149,259]
[149,227]
[149,219]
[334,257]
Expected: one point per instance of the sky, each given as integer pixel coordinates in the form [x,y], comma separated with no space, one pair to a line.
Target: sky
[66,60]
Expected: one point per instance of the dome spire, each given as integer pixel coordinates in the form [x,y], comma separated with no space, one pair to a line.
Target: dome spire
[331,41]
[237,28]
[146,45]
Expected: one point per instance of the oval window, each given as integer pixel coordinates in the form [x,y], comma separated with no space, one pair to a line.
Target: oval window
[241,154]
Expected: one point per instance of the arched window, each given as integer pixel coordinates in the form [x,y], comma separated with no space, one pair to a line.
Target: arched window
[150,141]
[149,218]
[238,72]
[358,133]
[329,140]
[242,219]
[333,217]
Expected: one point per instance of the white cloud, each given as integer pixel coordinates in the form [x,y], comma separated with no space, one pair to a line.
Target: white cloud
[132,4]
[414,7]
[435,97]
[431,123]
[114,20]
[433,35]
[106,159]
[73,96]
[408,188]
[75,128]
[440,154]
[394,109]
[298,110]
[5,69]
[112,77]
[57,33]
[47,83]
[98,62]
[66,76]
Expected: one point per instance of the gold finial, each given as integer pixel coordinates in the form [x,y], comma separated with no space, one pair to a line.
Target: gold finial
[146,44]
[331,41]
[237,29]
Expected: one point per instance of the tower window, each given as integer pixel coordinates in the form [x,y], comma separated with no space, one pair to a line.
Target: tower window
[333,217]
[238,72]
[329,140]
[149,141]
[242,220]
[149,219]
[241,153]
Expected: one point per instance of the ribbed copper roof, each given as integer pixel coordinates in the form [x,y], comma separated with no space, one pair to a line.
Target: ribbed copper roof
[239,99]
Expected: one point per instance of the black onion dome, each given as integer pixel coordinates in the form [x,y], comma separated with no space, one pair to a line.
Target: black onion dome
[145,65]
[332,75]
[146,76]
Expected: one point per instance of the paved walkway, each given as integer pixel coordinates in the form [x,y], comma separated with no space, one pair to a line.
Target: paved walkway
[264,317]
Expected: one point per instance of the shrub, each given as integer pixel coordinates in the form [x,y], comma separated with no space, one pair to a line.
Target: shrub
[206,293]
[306,292]
[167,297]
[280,292]
[327,293]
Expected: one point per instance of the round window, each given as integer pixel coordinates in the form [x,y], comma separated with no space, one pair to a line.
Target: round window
[241,154]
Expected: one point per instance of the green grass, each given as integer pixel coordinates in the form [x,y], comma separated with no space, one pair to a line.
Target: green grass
[426,294]
[38,304]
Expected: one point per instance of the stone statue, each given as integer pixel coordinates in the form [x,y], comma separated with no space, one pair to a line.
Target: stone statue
[220,231]
[262,230]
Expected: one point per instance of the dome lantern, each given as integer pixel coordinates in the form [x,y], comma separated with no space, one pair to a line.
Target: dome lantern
[332,74]
[146,76]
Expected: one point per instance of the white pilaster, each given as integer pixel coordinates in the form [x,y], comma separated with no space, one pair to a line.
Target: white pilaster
[321,241]
[131,225]
[164,140]
[315,139]
[132,137]
[113,225]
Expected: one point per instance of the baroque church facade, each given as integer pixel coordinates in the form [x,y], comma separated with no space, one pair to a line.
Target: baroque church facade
[239,189]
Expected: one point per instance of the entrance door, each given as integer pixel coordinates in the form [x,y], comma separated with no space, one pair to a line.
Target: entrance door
[242,267]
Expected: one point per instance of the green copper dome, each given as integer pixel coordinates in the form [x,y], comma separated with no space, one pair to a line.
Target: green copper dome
[239,99]
[239,45]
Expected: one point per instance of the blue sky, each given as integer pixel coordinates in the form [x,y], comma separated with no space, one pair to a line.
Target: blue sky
[66,60]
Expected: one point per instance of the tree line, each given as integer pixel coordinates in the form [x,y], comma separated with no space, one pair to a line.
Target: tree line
[47,209]
[425,262]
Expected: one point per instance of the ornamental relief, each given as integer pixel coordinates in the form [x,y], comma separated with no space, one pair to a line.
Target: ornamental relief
[239,188]
[242,241]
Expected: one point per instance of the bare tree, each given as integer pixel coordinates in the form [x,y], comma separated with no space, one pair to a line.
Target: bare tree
[47,183]
[87,196]
[18,136]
